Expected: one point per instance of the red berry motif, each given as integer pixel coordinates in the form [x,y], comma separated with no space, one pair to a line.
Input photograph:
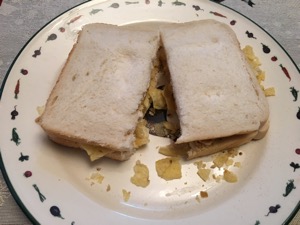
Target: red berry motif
[62,29]
[17,89]
[274,58]
[297,151]
[24,72]
[28,174]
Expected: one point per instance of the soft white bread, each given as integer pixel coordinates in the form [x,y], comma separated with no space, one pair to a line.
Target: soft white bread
[97,95]
[215,90]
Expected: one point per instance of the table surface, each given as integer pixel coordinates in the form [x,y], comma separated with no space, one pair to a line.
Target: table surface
[19,20]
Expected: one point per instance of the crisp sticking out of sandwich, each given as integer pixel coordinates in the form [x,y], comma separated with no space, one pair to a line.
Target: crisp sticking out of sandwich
[95,104]
[219,102]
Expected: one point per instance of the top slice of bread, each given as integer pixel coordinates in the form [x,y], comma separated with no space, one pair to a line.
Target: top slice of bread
[96,98]
[215,90]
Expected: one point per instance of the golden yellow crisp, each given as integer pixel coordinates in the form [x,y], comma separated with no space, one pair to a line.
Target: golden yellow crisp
[270,91]
[220,160]
[255,65]
[200,164]
[158,99]
[141,134]
[126,195]
[237,164]
[174,150]
[168,168]
[229,176]
[204,174]
[141,175]
[40,109]
[229,162]
[95,152]
[97,177]
[261,76]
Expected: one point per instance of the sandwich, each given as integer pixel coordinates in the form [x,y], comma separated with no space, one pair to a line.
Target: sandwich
[99,99]
[219,102]
[194,72]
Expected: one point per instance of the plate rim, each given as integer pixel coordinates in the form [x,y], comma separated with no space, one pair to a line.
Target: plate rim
[11,188]
[15,195]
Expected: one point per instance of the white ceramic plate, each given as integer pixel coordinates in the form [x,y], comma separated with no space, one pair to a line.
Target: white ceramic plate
[59,190]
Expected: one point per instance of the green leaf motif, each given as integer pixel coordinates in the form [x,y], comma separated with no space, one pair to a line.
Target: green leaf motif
[289,187]
[130,3]
[114,5]
[15,137]
[160,3]
[178,3]
[95,11]
[41,196]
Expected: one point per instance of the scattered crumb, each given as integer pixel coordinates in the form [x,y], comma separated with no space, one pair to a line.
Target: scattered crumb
[197,198]
[126,195]
[269,91]
[220,160]
[233,152]
[40,109]
[229,176]
[141,175]
[168,168]
[96,177]
[229,162]
[237,164]
[200,164]
[217,178]
[108,188]
[203,194]
[261,77]
[255,65]
[204,174]
[213,166]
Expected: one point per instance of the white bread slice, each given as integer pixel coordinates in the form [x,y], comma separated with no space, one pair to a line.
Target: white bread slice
[216,92]
[97,95]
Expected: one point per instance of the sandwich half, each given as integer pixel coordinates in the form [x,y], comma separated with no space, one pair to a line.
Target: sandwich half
[97,101]
[219,102]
